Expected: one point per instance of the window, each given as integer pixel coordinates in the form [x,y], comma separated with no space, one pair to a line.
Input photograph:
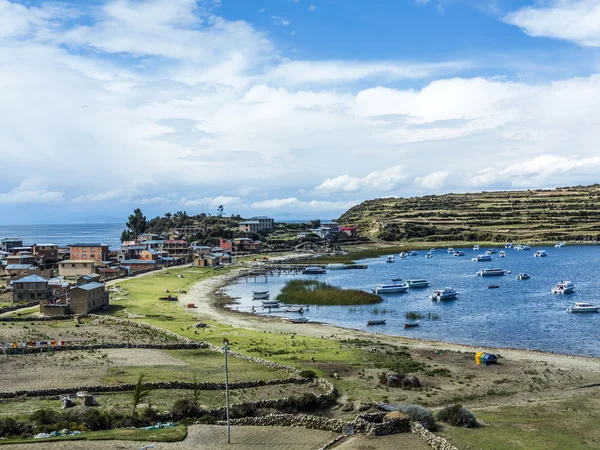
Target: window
[83,249]
[84,256]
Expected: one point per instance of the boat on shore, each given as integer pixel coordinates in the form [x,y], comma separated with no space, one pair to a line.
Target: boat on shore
[563,287]
[418,283]
[392,288]
[298,319]
[314,270]
[294,309]
[482,258]
[260,292]
[583,308]
[412,324]
[444,294]
[376,322]
[260,296]
[496,271]
[270,304]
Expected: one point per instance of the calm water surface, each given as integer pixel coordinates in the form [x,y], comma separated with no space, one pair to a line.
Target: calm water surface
[104,233]
[521,314]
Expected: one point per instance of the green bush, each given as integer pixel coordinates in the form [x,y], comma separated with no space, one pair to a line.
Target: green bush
[9,427]
[457,416]
[307,373]
[417,413]
[186,407]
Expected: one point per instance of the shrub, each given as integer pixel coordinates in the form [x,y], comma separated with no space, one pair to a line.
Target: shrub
[417,413]
[457,416]
[9,427]
[186,407]
[308,374]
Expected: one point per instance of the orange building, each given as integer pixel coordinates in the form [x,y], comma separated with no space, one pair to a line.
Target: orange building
[85,251]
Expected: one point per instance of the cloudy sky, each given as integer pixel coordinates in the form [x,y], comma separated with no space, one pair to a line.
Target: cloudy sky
[289,108]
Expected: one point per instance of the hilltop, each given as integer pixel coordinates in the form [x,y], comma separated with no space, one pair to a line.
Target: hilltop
[566,213]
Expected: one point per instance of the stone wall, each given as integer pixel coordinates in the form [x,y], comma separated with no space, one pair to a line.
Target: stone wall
[434,441]
[18,306]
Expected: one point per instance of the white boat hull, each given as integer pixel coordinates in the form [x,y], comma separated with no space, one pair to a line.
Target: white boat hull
[592,309]
[394,290]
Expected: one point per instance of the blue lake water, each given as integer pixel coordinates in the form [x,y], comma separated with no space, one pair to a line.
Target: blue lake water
[520,314]
[104,233]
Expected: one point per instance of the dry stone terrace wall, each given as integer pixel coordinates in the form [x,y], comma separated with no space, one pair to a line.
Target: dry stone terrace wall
[18,306]
[434,441]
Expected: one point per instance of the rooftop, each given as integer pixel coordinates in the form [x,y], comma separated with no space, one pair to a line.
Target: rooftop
[249,222]
[76,261]
[12,240]
[32,279]
[20,267]
[138,261]
[88,244]
[261,217]
[89,286]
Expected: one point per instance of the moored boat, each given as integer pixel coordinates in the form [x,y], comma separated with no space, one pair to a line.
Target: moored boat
[540,254]
[564,287]
[493,286]
[260,292]
[502,253]
[583,308]
[336,266]
[450,250]
[458,253]
[482,258]
[559,244]
[412,324]
[444,294]
[411,253]
[491,251]
[376,322]
[270,303]
[417,283]
[294,309]
[508,245]
[314,270]
[391,288]
[428,255]
[390,259]
[476,247]
[491,272]
[298,319]
[523,276]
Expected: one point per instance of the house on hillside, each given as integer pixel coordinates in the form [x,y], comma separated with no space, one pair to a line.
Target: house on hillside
[7,244]
[72,268]
[45,254]
[256,224]
[350,231]
[21,270]
[90,251]
[30,288]
[135,265]
[178,248]
[240,245]
[87,298]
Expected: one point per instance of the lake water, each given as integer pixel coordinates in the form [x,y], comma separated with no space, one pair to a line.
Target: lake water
[104,233]
[520,314]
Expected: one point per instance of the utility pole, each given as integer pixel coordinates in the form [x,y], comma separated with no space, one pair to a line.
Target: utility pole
[225,350]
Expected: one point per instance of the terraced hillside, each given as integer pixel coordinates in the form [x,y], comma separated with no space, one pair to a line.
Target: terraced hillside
[569,214]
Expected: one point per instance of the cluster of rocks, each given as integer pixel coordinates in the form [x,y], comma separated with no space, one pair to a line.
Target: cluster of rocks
[399,380]
[18,306]
[434,441]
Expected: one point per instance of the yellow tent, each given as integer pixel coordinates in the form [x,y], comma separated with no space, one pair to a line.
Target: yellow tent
[478,357]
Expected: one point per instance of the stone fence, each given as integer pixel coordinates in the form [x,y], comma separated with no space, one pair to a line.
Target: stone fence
[62,348]
[434,441]
[18,306]
[156,385]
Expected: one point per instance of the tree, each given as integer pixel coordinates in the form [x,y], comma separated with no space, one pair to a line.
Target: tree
[136,225]
[140,392]
[314,223]
[168,215]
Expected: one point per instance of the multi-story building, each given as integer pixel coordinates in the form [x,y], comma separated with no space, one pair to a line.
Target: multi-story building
[259,223]
[72,268]
[87,298]
[178,249]
[45,253]
[30,288]
[238,245]
[130,252]
[7,244]
[89,251]
[22,258]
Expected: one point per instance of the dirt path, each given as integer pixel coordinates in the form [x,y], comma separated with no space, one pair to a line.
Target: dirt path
[203,294]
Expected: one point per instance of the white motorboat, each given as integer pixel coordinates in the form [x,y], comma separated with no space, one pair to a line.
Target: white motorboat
[502,253]
[564,287]
[411,253]
[314,270]
[583,308]
[402,255]
[444,294]
[431,250]
[508,245]
[428,255]
[482,258]
[390,289]
[458,253]
[518,247]
[559,244]
[336,266]
[491,272]
[525,247]
[390,259]
[523,276]
[294,309]
[540,254]
[491,251]
[451,250]
[260,293]
[476,247]
[417,284]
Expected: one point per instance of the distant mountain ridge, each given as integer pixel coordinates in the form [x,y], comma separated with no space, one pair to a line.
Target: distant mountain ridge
[566,213]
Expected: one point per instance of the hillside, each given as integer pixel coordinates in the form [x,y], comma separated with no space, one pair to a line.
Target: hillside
[569,213]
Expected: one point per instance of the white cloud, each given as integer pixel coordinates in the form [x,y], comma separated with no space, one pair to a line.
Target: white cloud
[311,8]
[31,190]
[117,194]
[572,20]
[216,201]
[312,205]
[434,180]
[376,181]
[277,20]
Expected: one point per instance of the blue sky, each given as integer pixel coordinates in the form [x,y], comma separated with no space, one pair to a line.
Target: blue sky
[294,109]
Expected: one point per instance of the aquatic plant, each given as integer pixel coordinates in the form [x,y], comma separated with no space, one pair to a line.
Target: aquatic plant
[413,315]
[311,292]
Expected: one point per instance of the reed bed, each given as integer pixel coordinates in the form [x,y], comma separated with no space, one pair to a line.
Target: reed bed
[310,292]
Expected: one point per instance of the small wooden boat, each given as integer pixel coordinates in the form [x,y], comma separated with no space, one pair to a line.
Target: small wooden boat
[260,293]
[260,296]
[270,303]
[299,320]
[376,322]
[294,309]
[170,298]
[412,324]
[493,286]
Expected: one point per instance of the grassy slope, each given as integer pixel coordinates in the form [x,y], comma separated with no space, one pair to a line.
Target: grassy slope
[537,215]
